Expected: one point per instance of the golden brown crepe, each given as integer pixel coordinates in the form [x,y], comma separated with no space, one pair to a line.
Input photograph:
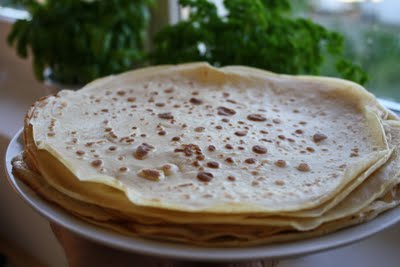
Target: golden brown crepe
[192,153]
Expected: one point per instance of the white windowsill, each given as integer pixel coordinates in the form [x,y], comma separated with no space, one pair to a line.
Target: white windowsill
[12,14]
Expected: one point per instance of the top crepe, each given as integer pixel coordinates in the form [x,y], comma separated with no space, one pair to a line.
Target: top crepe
[229,140]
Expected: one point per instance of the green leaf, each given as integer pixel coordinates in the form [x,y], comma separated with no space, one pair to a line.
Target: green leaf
[352,72]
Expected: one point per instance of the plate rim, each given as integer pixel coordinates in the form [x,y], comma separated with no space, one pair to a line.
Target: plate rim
[164,249]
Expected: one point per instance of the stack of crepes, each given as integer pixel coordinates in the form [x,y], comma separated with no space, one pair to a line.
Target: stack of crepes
[233,156]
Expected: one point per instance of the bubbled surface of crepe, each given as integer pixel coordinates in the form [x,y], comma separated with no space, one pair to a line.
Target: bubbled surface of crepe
[201,139]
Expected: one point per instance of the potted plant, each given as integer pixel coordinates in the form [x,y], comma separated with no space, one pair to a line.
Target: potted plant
[75,41]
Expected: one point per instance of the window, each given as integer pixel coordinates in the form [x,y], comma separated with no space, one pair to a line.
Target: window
[372,33]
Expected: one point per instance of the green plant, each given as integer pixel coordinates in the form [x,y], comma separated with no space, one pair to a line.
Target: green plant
[81,40]
[256,33]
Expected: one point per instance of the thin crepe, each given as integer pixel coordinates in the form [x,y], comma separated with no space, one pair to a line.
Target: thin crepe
[202,235]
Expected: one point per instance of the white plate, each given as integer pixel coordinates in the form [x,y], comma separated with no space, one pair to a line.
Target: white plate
[172,250]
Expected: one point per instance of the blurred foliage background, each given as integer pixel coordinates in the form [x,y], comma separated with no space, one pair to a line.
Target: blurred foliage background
[371,40]
[75,41]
